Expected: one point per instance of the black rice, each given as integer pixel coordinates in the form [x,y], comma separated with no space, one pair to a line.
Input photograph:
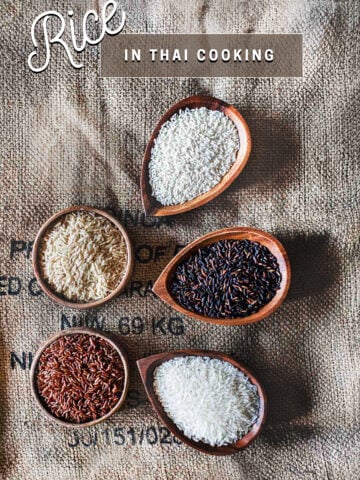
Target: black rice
[227,279]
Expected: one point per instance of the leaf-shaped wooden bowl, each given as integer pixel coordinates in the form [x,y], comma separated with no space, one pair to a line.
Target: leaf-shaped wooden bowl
[162,287]
[154,207]
[113,341]
[147,366]
[38,270]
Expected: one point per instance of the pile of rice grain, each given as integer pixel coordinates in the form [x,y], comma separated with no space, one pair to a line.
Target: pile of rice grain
[191,154]
[83,257]
[80,377]
[210,400]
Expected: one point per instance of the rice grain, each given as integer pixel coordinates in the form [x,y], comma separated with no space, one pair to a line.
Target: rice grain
[191,154]
[209,399]
[80,377]
[83,257]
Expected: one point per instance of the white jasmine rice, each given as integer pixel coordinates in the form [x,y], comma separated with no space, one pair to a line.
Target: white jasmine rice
[191,154]
[83,257]
[210,400]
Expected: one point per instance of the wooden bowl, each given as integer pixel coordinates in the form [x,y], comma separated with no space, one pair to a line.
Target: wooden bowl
[147,366]
[162,287]
[154,207]
[113,341]
[38,271]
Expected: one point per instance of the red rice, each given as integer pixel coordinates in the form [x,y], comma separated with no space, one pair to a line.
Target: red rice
[80,377]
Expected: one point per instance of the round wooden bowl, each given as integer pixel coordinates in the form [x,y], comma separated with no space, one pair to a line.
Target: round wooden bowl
[152,206]
[146,368]
[162,286]
[38,271]
[113,341]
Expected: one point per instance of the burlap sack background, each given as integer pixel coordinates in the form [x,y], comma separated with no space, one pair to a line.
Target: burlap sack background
[69,137]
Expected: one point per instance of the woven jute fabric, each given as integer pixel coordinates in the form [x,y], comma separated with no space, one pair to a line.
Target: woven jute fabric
[69,137]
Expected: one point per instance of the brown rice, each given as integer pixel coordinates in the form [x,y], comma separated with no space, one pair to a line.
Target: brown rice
[83,257]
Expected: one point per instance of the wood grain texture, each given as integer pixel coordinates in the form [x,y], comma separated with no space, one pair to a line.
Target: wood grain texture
[162,287]
[113,341]
[146,368]
[37,268]
[154,208]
